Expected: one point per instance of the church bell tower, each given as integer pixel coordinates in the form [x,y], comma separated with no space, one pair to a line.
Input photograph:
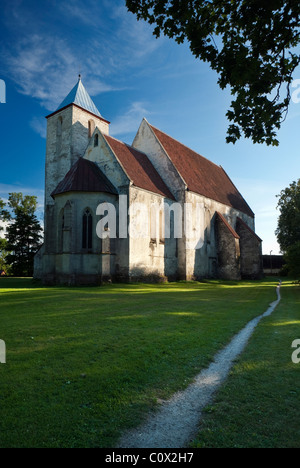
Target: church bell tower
[69,130]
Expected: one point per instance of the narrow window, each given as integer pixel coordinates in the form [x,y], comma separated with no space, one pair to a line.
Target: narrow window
[153,213]
[87,230]
[61,227]
[91,128]
[96,140]
[161,228]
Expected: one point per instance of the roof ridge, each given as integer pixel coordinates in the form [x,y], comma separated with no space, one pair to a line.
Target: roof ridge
[128,145]
[152,128]
[182,144]
[155,183]
[200,174]
[229,227]
[249,228]
[236,188]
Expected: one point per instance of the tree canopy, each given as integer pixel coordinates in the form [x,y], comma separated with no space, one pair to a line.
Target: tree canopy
[288,229]
[251,44]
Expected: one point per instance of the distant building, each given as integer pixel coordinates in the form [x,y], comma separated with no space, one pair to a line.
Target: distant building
[273,264]
[86,168]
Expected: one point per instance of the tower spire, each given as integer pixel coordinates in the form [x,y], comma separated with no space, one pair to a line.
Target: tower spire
[79,96]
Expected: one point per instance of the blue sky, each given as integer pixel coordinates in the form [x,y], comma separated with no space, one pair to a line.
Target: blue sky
[129,75]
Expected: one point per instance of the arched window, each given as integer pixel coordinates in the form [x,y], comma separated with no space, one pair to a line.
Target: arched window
[96,140]
[91,128]
[65,228]
[87,230]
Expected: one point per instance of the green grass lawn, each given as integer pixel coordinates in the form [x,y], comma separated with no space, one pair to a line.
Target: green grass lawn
[259,406]
[84,364]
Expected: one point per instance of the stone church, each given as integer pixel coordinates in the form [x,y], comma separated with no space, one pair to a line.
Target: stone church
[90,174]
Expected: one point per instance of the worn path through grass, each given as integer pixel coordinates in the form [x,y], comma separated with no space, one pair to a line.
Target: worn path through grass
[259,406]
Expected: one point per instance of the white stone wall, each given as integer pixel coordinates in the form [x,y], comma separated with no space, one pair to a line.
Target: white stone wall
[74,141]
[68,258]
[58,157]
[200,262]
[151,254]
[106,160]
[80,130]
[146,142]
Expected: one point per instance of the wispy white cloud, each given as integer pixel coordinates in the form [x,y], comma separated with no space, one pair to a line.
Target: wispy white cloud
[130,120]
[39,126]
[45,69]
[45,66]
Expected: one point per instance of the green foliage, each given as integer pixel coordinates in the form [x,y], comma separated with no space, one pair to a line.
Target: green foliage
[23,234]
[250,44]
[292,258]
[3,256]
[288,229]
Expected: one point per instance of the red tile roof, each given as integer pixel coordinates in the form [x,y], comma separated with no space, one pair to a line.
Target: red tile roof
[84,176]
[138,168]
[230,228]
[201,175]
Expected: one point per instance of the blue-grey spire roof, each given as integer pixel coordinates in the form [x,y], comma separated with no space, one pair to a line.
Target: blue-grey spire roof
[81,98]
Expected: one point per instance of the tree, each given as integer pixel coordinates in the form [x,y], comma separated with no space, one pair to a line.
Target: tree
[3,257]
[4,214]
[292,258]
[288,229]
[251,44]
[23,234]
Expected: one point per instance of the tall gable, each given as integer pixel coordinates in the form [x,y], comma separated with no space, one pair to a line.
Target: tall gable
[138,167]
[201,175]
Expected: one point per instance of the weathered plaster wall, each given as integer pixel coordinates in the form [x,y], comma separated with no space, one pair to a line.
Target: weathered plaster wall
[146,141]
[66,142]
[80,130]
[228,251]
[105,158]
[152,255]
[203,251]
[251,253]
[68,256]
